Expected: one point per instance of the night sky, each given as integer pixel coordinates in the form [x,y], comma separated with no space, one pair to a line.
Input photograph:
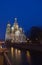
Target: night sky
[28,12]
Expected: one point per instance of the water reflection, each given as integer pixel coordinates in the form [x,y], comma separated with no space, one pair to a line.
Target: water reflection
[16,51]
[12,51]
[15,56]
[20,57]
[28,57]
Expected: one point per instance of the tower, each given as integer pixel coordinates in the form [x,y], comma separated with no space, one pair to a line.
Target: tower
[8,31]
[16,25]
[12,34]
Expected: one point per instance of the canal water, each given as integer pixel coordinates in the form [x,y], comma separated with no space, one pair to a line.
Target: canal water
[24,57]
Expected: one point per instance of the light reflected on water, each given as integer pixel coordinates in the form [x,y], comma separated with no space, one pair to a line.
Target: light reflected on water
[16,56]
[12,51]
[28,53]
[15,52]
[28,57]
[19,52]
[20,56]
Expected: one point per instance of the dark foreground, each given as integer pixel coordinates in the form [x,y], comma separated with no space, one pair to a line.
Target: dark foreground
[23,57]
[28,55]
[20,57]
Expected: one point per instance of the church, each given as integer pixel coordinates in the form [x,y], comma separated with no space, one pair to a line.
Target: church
[15,33]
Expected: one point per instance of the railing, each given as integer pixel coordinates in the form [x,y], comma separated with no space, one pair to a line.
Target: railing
[6,60]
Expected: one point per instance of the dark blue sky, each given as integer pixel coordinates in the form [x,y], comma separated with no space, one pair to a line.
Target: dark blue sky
[28,12]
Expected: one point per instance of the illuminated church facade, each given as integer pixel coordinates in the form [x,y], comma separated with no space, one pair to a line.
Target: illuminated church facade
[15,33]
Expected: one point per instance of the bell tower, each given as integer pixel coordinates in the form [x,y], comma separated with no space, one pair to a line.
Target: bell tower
[8,31]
